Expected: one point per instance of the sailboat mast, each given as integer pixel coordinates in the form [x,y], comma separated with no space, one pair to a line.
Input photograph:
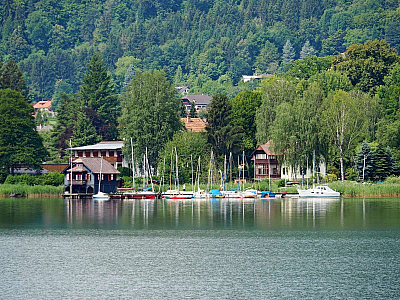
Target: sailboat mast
[70,186]
[101,167]
[177,171]
[133,167]
[243,171]
[191,161]
[313,170]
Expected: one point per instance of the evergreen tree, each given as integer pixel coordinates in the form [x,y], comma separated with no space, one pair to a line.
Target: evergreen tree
[392,165]
[12,78]
[19,141]
[365,158]
[307,50]
[84,132]
[66,115]
[288,53]
[178,78]
[182,110]
[130,72]
[97,92]
[193,112]
[381,162]
[221,134]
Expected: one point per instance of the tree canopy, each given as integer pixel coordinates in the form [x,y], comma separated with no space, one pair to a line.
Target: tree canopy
[19,141]
[149,114]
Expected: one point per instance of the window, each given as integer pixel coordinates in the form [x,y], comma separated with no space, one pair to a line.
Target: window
[87,154]
[103,153]
[111,177]
[88,177]
[98,176]
[78,176]
[69,176]
[261,156]
[111,153]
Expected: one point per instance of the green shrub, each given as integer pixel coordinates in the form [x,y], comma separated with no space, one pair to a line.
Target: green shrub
[281,183]
[3,175]
[392,180]
[350,174]
[330,177]
[54,179]
[125,172]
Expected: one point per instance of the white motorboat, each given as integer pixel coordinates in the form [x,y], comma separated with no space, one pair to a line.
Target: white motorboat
[321,191]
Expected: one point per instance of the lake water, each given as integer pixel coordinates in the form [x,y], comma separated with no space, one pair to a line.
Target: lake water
[224,249]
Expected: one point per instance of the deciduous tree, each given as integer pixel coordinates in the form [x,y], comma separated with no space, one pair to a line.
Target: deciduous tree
[19,141]
[149,114]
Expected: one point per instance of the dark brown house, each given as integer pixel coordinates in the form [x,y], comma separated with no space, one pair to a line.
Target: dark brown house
[85,176]
[265,162]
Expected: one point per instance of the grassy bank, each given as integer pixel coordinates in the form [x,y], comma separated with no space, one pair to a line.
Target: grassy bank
[31,191]
[354,189]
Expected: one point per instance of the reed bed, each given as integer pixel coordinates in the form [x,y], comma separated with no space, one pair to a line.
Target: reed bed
[355,189]
[31,191]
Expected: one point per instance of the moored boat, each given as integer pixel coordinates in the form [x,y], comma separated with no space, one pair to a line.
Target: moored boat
[321,191]
[101,196]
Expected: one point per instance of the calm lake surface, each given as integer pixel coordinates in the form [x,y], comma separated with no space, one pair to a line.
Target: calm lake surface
[224,249]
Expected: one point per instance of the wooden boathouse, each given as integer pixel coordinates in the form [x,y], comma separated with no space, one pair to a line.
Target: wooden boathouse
[82,179]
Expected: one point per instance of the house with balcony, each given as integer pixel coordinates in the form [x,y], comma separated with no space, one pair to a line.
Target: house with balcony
[111,151]
[265,162]
[86,174]
[266,165]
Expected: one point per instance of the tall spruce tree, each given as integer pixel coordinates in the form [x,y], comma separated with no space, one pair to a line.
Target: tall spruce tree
[288,53]
[63,130]
[381,162]
[307,50]
[222,135]
[97,93]
[192,112]
[364,163]
[12,78]
[84,132]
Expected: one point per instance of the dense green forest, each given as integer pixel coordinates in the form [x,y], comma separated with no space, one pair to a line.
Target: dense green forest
[205,44]
[110,68]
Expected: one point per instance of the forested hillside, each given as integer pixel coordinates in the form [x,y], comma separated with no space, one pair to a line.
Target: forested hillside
[201,43]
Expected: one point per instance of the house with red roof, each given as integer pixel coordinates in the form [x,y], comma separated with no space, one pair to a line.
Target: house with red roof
[194,124]
[43,106]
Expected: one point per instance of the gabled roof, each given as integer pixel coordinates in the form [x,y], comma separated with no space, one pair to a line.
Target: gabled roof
[194,124]
[42,104]
[198,99]
[267,148]
[111,145]
[94,164]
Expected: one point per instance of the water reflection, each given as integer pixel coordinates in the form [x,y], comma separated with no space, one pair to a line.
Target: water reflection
[229,213]
[201,214]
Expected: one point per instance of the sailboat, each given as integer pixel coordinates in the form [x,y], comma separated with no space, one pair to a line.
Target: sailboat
[100,195]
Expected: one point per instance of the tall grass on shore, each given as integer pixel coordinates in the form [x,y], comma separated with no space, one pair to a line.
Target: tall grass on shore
[31,191]
[355,189]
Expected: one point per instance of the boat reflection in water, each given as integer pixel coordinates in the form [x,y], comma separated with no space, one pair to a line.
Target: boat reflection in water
[201,213]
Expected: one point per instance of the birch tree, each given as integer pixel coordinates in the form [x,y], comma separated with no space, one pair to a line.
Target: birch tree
[343,120]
